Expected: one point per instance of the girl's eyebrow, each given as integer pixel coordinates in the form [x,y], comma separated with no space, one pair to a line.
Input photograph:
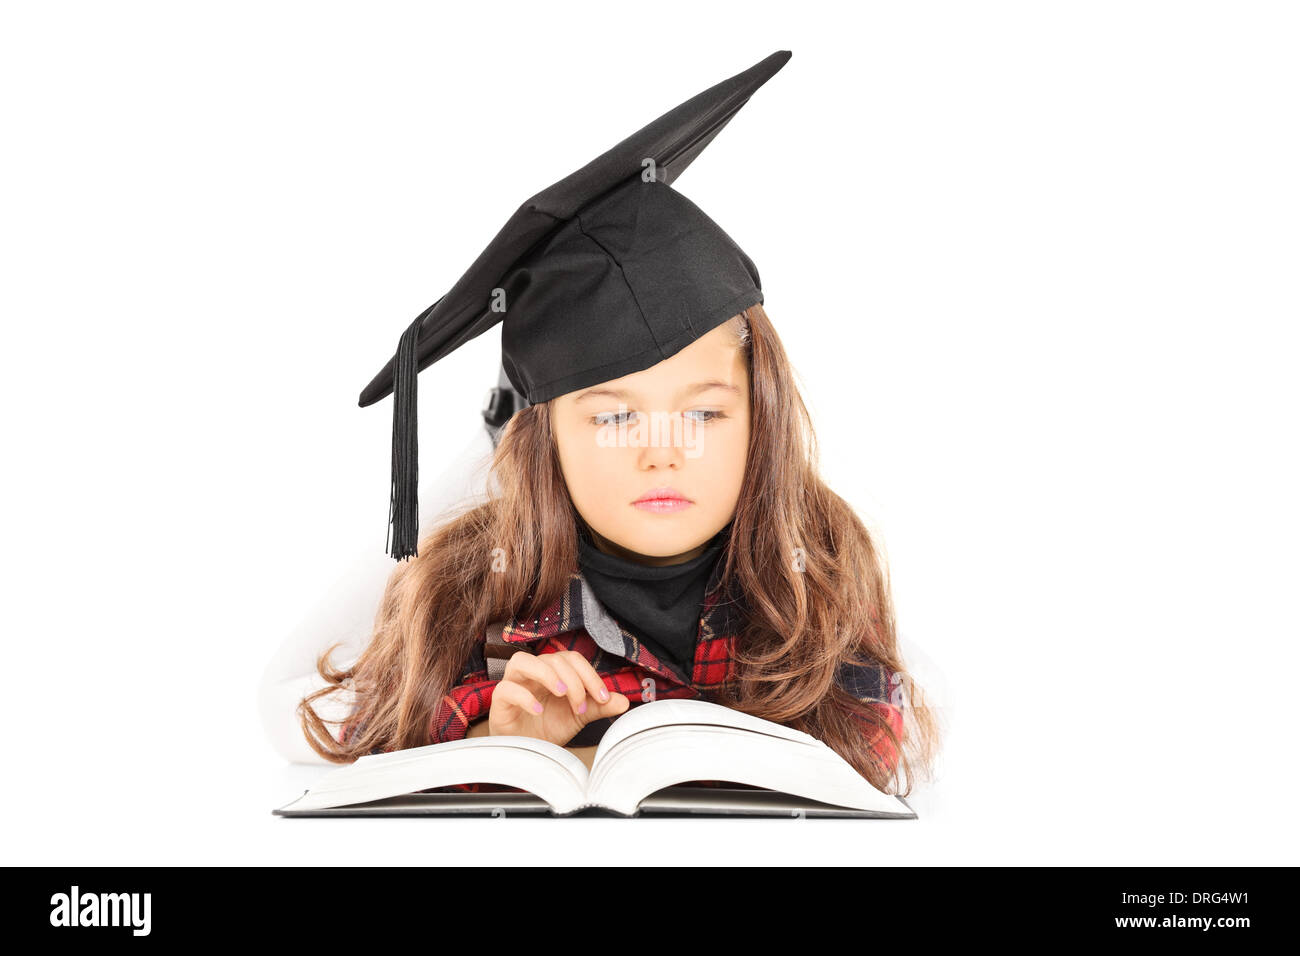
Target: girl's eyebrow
[624,394]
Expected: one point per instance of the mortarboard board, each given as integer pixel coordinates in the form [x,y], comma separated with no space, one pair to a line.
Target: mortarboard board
[605,273]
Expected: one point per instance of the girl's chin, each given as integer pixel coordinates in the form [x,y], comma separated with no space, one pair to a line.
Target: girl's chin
[654,538]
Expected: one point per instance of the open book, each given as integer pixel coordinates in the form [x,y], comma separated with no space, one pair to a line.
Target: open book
[640,766]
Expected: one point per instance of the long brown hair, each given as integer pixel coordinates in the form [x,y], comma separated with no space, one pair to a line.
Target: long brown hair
[814,585]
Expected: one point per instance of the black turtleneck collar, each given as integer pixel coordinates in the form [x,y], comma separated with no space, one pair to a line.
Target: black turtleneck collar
[658,604]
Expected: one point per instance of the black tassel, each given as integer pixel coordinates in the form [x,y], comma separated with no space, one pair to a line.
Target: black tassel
[404,508]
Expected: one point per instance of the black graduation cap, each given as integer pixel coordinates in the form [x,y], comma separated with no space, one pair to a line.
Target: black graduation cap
[605,273]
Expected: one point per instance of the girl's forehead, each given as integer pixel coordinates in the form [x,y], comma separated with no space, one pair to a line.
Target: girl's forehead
[712,364]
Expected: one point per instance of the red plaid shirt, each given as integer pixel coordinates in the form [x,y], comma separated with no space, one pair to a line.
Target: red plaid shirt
[576,622]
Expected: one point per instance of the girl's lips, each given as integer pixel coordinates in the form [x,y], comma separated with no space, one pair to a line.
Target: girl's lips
[662,505]
[662,501]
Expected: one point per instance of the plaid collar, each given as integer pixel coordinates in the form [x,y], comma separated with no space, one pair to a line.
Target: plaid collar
[578,609]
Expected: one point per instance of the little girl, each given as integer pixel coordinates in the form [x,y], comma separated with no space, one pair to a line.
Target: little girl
[655,526]
[661,534]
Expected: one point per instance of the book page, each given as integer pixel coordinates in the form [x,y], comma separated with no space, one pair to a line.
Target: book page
[537,766]
[726,801]
[542,747]
[666,756]
[661,713]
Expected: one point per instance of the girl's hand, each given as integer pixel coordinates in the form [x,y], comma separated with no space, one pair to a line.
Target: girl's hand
[550,697]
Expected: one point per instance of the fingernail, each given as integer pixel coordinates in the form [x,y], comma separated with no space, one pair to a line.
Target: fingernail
[537,708]
[582,708]
[604,694]
[559,687]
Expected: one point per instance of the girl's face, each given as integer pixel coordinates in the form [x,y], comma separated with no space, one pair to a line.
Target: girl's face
[677,428]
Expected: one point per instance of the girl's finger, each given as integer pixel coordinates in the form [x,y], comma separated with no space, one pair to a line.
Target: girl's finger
[524,666]
[517,699]
[594,683]
[616,704]
[574,688]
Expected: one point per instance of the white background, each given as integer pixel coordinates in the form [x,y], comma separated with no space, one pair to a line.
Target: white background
[1035,263]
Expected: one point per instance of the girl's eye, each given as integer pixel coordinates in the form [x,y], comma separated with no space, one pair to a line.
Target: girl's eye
[609,418]
[616,418]
[714,415]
